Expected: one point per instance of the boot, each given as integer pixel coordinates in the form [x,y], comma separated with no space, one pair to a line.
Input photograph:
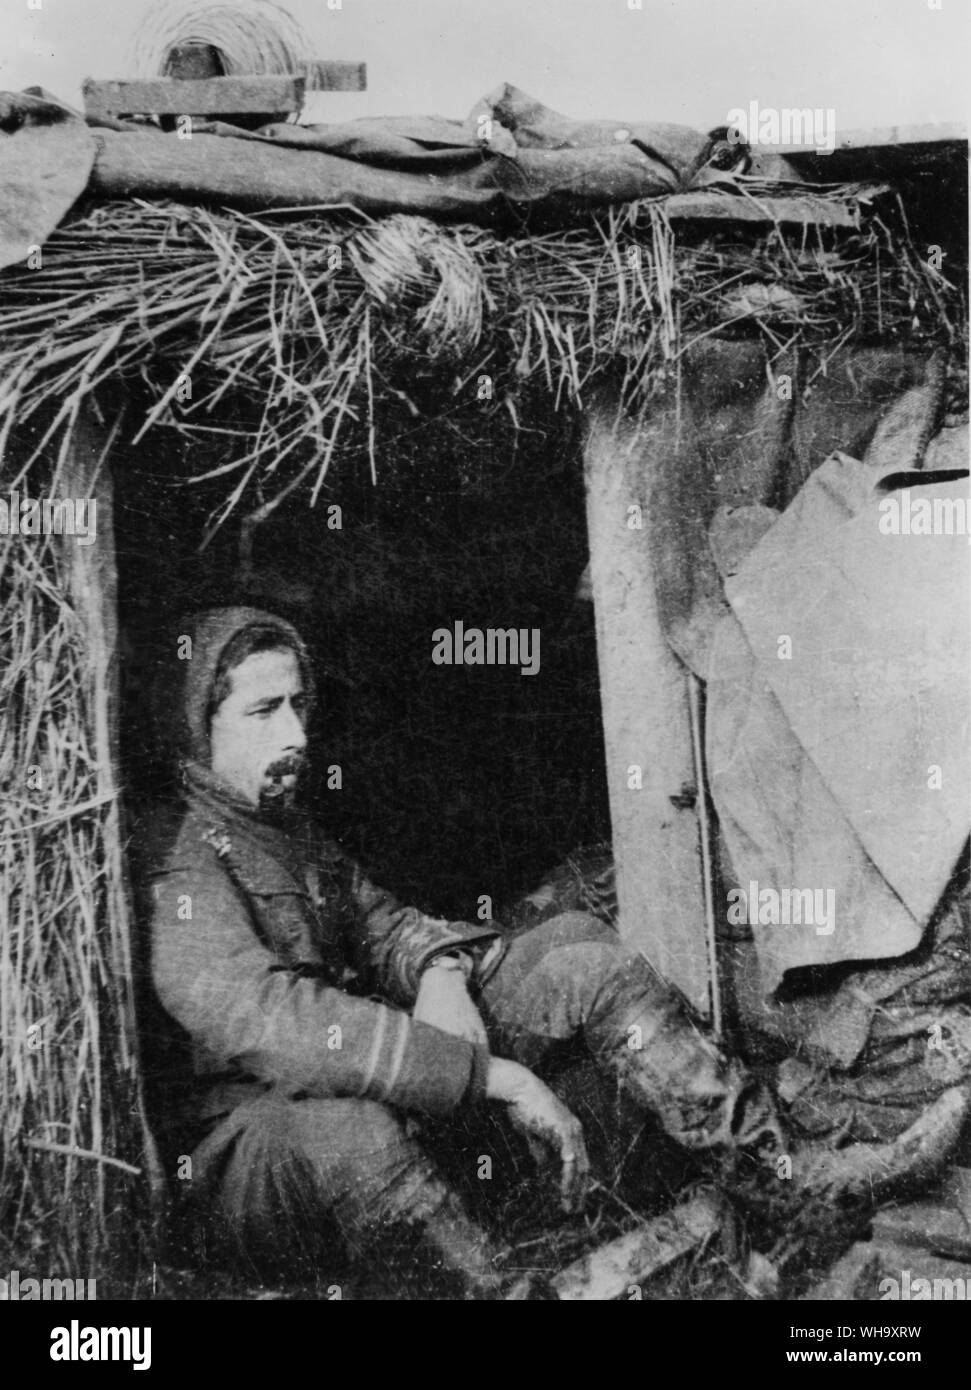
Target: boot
[705,1100]
[708,1102]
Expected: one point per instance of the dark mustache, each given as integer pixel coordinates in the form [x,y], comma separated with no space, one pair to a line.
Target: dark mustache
[285,767]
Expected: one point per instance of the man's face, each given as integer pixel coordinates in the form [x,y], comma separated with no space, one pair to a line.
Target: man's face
[257,735]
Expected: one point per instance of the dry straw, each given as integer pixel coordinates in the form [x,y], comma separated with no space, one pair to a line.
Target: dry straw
[68,1082]
[293,330]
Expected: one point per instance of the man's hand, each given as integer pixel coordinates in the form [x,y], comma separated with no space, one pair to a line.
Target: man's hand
[444,1002]
[540,1115]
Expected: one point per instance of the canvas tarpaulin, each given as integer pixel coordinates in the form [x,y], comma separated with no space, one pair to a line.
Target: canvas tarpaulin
[838,713]
[730,439]
[46,156]
[511,158]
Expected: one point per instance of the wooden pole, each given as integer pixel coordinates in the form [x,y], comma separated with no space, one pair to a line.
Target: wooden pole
[92,583]
[705,832]
[651,775]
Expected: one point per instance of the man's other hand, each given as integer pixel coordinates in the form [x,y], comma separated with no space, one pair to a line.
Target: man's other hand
[444,1002]
[541,1116]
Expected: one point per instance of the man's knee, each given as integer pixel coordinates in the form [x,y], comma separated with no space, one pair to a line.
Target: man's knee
[540,945]
[338,1147]
[279,1174]
[573,950]
[568,977]
[345,1127]
[275,1127]
[364,1164]
[569,928]
[600,942]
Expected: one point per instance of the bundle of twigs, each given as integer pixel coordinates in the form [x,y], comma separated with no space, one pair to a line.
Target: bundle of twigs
[294,329]
[67,1064]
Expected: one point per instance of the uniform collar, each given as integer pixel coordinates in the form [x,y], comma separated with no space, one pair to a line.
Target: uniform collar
[223,804]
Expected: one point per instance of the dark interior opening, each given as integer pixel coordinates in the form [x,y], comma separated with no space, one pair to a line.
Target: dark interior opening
[457,781]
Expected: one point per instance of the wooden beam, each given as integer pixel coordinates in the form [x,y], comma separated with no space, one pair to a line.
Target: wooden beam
[880,137]
[646,717]
[198,60]
[91,580]
[807,210]
[333,76]
[206,96]
[609,1272]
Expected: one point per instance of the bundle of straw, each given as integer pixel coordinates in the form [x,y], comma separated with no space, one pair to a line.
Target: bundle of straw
[68,1085]
[254,37]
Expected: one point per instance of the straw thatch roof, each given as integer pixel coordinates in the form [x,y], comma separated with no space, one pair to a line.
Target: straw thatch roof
[296,326]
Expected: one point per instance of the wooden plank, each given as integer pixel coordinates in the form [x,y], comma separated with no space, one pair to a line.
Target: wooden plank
[880,137]
[331,76]
[196,60]
[609,1272]
[644,698]
[91,576]
[207,96]
[804,211]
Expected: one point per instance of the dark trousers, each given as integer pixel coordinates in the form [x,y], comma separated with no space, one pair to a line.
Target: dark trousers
[275,1168]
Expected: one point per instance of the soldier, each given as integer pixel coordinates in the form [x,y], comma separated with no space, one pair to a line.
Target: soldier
[323,1013]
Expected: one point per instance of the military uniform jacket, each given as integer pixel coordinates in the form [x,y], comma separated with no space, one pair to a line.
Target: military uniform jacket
[269,946]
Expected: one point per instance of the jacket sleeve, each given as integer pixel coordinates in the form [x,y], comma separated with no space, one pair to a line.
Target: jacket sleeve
[248,1012]
[398,942]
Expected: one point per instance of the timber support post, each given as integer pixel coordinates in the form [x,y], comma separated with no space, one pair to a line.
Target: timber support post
[651,769]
